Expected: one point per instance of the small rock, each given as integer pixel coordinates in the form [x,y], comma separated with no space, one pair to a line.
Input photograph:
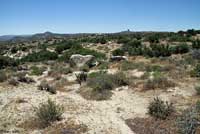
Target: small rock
[118,58]
[122,88]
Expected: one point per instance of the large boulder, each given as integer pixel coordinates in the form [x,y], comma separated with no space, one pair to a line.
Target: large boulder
[118,58]
[80,60]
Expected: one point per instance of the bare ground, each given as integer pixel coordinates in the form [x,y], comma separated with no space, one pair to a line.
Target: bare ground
[17,105]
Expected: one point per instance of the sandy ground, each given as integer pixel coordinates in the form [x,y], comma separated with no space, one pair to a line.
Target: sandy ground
[101,117]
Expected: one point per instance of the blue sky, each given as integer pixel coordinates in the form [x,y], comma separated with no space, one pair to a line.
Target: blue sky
[74,16]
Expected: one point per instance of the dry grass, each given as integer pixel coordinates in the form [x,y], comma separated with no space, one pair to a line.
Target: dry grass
[69,127]
[90,94]
[152,126]
[158,83]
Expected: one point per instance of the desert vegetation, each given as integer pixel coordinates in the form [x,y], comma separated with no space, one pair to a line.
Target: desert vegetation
[120,83]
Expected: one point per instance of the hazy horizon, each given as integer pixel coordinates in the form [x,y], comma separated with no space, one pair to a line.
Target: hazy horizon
[22,17]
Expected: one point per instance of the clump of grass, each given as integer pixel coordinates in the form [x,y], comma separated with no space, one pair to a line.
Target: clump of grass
[120,79]
[196,71]
[49,112]
[59,70]
[131,66]
[103,65]
[37,70]
[158,82]
[198,106]
[160,109]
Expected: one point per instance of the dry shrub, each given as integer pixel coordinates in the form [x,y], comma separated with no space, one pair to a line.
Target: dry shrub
[197,88]
[44,85]
[60,84]
[59,70]
[101,85]
[69,127]
[189,120]
[21,77]
[3,76]
[13,81]
[49,112]
[152,126]
[158,83]
[91,94]
[160,109]
[81,77]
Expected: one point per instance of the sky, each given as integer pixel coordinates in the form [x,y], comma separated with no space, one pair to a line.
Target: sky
[97,16]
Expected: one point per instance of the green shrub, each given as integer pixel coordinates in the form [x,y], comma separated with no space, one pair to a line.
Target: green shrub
[160,109]
[157,50]
[123,40]
[188,121]
[118,52]
[135,51]
[131,44]
[6,61]
[196,44]
[102,81]
[154,38]
[14,50]
[96,74]
[3,76]
[49,112]
[60,47]
[196,71]
[82,51]
[103,65]
[43,55]
[180,49]
[37,70]
[102,40]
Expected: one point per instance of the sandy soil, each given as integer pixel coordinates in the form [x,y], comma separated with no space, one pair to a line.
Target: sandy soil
[17,105]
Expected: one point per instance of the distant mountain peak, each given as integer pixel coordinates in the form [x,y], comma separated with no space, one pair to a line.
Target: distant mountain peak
[47,32]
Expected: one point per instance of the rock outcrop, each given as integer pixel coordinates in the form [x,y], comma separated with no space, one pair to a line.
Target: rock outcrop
[80,60]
